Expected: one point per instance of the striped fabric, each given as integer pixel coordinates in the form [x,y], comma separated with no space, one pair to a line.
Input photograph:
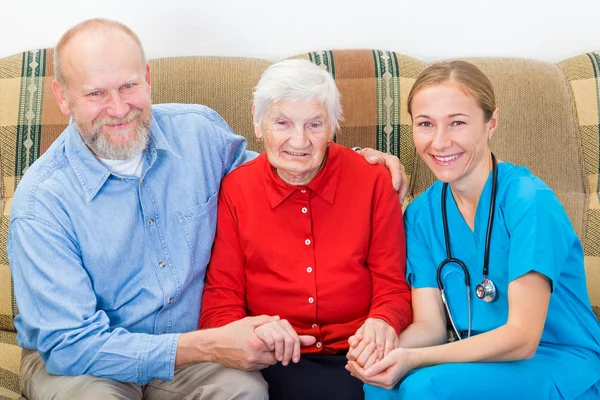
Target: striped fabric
[29,123]
[583,74]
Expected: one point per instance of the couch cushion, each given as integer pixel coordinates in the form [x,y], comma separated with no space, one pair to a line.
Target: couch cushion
[10,364]
[583,73]
[29,122]
[201,80]
[374,86]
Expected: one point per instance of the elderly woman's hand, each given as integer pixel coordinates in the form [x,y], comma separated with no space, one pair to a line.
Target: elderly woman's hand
[280,337]
[399,179]
[372,342]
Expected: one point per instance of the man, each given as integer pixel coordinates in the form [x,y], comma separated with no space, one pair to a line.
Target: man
[110,235]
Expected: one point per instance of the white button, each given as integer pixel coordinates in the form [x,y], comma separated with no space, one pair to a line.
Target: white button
[307,242]
[314,325]
[161,264]
[319,344]
[309,270]
[311,300]
[171,300]
[151,222]
[303,190]
[141,183]
[304,210]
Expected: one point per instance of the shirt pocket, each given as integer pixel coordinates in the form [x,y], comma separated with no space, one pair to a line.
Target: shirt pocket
[198,224]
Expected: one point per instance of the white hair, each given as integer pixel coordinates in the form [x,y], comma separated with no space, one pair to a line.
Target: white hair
[297,80]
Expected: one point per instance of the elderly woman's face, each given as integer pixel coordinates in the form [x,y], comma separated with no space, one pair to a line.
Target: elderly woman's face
[296,134]
[450,132]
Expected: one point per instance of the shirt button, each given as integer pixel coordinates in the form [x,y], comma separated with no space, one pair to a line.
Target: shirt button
[319,344]
[311,300]
[304,210]
[309,270]
[141,183]
[171,300]
[314,325]
[307,242]
[303,190]
[151,222]
[161,264]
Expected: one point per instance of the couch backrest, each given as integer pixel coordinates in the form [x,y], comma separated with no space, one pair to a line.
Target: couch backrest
[538,121]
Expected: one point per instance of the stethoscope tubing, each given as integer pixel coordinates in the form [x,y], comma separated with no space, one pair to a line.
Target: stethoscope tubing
[449,259]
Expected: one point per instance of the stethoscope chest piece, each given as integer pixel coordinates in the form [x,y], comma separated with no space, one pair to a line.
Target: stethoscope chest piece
[486,290]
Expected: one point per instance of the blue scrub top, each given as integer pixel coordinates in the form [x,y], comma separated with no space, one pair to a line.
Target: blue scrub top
[531,232]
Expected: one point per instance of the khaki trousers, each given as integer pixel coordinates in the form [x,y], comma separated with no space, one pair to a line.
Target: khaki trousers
[205,381]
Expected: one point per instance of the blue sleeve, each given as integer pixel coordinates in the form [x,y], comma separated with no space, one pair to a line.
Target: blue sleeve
[420,267]
[541,234]
[234,151]
[59,315]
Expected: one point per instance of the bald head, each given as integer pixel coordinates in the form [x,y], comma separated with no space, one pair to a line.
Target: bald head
[88,35]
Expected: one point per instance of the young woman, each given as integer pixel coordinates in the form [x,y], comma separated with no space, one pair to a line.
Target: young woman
[525,323]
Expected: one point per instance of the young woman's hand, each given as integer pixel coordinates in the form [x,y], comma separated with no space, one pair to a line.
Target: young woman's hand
[387,372]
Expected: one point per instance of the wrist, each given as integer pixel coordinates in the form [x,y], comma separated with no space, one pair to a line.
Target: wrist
[195,347]
[414,357]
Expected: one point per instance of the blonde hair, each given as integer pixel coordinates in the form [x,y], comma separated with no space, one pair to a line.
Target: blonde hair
[96,24]
[467,75]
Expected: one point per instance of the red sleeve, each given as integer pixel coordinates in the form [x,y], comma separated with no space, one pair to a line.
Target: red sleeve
[391,293]
[224,298]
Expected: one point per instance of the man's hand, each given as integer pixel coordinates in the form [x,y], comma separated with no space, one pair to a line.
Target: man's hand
[372,342]
[399,179]
[279,336]
[235,345]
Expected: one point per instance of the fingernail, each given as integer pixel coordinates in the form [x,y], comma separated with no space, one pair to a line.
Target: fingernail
[368,372]
[373,158]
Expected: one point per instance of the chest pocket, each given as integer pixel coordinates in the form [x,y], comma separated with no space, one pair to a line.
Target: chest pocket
[198,223]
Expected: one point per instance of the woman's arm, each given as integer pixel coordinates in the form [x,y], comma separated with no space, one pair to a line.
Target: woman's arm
[528,300]
[429,320]
[224,296]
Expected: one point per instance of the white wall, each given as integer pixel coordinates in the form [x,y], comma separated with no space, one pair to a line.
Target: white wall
[274,29]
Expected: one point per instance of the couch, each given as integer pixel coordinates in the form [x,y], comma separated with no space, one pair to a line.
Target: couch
[549,121]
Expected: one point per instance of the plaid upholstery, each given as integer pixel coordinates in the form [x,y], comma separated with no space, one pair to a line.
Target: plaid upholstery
[374,86]
[29,122]
[583,74]
[224,84]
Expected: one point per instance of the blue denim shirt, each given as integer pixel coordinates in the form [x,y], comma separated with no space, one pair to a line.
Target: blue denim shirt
[109,270]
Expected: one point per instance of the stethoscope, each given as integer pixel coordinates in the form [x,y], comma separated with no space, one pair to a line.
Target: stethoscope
[486,290]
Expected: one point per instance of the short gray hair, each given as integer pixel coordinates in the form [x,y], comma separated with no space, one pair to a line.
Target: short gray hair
[297,80]
[97,24]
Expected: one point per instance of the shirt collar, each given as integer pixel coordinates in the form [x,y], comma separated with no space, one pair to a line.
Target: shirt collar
[324,184]
[90,171]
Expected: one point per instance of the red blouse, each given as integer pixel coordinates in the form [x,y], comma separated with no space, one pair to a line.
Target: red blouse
[324,256]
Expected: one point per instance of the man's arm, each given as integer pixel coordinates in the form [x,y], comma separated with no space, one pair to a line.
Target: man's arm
[60,317]
[234,345]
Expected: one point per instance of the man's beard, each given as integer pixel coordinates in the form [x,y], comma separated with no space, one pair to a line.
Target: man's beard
[98,143]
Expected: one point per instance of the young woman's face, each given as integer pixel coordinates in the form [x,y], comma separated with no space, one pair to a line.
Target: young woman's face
[450,132]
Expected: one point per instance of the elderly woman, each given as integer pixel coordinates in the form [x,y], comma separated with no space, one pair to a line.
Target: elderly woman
[525,323]
[312,235]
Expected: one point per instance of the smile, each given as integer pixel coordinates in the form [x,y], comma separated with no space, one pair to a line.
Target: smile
[446,159]
[292,153]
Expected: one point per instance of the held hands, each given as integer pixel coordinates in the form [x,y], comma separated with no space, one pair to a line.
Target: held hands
[238,346]
[371,342]
[280,338]
[392,163]
[387,372]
